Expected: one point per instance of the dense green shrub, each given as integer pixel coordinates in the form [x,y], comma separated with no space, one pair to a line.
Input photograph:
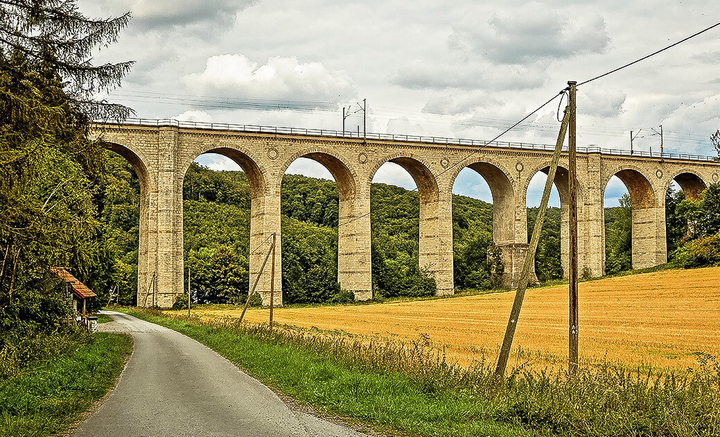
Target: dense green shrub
[27,344]
[703,251]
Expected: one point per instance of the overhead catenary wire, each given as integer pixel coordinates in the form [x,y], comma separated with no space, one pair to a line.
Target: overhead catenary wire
[561,93]
[451,166]
[649,56]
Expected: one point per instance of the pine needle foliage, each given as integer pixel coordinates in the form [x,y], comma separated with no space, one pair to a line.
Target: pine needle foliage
[53,35]
[49,168]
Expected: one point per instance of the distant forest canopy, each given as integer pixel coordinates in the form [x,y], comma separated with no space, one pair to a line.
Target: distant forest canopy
[217,222]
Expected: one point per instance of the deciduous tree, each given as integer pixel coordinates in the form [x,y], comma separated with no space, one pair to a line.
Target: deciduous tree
[48,168]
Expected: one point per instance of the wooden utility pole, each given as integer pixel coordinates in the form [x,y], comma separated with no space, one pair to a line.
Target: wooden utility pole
[573,273]
[272,282]
[530,255]
[257,280]
[188,291]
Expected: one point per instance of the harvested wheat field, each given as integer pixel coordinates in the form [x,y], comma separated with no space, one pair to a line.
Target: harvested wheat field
[666,319]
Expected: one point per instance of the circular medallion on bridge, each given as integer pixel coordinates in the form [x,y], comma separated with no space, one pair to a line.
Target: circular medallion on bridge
[444,162]
[362,158]
[715,177]
[519,166]
[273,153]
[659,173]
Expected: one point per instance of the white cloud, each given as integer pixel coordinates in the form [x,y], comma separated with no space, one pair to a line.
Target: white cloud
[149,14]
[392,174]
[467,69]
[216,162]
[309,167]
[282,80]
[530,33]
[601,102]
[403,125]
[428,74]
[701,119]
[453,104]
[193,115]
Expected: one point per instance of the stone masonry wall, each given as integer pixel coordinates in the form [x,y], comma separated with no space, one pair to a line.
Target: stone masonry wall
[162,154]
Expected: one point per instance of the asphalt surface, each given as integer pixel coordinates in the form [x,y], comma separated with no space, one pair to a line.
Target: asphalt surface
[174,386]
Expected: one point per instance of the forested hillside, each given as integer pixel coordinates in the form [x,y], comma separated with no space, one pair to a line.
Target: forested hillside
[216,235]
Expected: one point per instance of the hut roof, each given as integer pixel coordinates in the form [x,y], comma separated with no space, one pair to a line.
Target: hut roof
[78,287]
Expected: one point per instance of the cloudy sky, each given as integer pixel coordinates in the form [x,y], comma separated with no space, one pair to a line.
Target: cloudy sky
[461,69]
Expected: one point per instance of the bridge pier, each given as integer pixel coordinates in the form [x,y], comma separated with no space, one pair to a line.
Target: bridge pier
[440,263]
[160,255]
[354,245]
[649,247]
[264,221]
[161,151]
[513,259]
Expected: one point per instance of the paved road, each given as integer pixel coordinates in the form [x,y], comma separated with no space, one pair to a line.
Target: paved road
[175,386]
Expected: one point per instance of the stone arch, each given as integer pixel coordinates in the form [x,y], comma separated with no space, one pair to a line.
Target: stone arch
[503,195]
[425,181]
[649,247]
[261,214]
[145,262]
[435,221]
[243,158]
[505,216]
[354,266]
[137,162]
[561,183]
[690,182]
[642,193]
[344,176]
[420,163]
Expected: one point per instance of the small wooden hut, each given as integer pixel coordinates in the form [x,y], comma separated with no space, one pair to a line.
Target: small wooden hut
[80,292]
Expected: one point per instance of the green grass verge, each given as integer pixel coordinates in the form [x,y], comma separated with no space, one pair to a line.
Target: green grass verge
[389,402]
[49,398]
[409,388]
[103,318]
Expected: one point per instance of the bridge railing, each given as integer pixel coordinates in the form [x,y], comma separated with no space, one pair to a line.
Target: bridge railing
[399,137]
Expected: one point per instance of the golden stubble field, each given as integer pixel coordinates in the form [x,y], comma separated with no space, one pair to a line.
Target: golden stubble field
[661,319]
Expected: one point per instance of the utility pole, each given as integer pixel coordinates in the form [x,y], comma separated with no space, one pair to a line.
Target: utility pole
[632,138]
[272,281]
[661,138]
[530,254]
[573,274]
[257,280]
[188,291]
[364,118]
[347,113]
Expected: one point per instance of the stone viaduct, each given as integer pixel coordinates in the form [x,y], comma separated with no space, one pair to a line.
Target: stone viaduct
[161,152]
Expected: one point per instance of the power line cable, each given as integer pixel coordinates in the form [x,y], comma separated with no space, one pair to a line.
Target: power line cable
[648,56]
[471,154]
